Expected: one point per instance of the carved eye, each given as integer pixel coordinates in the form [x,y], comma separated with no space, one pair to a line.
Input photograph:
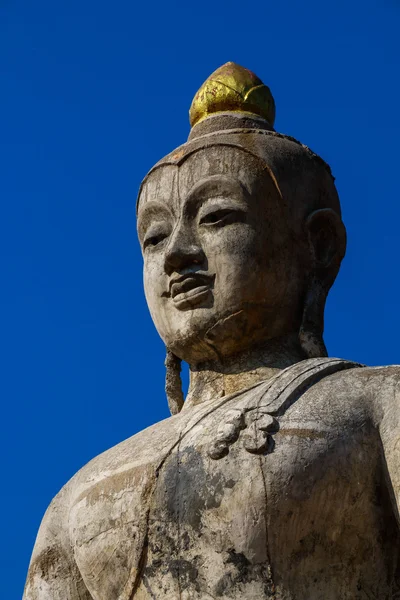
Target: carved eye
[222,217]
[152,239]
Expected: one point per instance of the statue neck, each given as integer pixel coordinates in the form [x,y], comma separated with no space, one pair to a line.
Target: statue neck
[215,379]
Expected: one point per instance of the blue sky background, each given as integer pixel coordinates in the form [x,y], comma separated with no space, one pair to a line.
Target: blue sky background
[92,94]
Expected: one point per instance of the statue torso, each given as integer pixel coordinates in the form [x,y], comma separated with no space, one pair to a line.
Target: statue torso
[224,501]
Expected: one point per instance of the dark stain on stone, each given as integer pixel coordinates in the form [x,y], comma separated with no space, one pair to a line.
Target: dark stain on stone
[230,483]
[240,571]
[52,560]
[187,487]
[240,561]
[185,541]
[190,488]
[186,572]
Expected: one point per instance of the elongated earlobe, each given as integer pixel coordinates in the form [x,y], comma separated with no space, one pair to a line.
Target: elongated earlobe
[173,383]
[312,324]
[327,245]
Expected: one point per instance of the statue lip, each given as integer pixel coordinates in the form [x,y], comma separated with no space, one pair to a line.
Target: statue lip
[191,289]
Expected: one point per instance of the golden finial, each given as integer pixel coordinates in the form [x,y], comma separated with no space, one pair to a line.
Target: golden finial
[232,88]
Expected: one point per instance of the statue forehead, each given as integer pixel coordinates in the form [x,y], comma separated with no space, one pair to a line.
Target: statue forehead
[172,182]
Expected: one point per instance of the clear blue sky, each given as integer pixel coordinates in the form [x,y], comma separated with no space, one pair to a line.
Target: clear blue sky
[93,93]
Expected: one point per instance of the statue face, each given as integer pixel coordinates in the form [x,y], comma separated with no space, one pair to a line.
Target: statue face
[222,269]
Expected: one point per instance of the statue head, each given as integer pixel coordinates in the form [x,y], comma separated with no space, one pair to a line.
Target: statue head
[240,229]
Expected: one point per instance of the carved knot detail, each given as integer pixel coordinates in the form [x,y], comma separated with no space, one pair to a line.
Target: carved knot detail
[257,426]
[256,415]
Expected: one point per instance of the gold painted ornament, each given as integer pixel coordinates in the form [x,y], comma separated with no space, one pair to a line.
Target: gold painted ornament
[232,88]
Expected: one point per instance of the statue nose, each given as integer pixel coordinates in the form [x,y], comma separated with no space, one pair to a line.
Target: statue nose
[182,251]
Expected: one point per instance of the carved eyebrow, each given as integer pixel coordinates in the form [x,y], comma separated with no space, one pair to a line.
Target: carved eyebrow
[214,186]
[151,211]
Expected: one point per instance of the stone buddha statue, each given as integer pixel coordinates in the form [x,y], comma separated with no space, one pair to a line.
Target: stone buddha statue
[278,477]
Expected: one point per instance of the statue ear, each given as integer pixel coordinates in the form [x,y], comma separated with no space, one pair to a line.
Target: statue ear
[327,241]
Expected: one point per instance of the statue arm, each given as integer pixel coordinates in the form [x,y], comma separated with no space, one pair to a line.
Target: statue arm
[53,573]
[389,408]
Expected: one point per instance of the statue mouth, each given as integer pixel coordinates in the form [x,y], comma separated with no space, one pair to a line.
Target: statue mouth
[191,290]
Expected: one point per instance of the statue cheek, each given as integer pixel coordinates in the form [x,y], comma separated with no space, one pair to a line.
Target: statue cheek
[153,269]
[153,289]
[234,243]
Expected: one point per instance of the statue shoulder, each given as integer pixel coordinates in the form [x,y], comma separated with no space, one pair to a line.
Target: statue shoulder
[146,446]
[374,390]
[369,377]
[77,513]
[383,387]
[52,565]
[352,392]
[372,380]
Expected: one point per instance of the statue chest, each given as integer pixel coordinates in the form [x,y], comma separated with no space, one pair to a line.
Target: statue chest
[225,520]
[281,523]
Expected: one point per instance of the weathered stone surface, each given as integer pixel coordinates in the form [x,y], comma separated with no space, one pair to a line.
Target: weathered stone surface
[279,477]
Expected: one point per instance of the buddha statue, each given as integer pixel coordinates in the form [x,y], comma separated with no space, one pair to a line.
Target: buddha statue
[278,477]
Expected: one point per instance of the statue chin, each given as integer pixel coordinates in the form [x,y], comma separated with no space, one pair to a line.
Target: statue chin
[233,333]
[214,344]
